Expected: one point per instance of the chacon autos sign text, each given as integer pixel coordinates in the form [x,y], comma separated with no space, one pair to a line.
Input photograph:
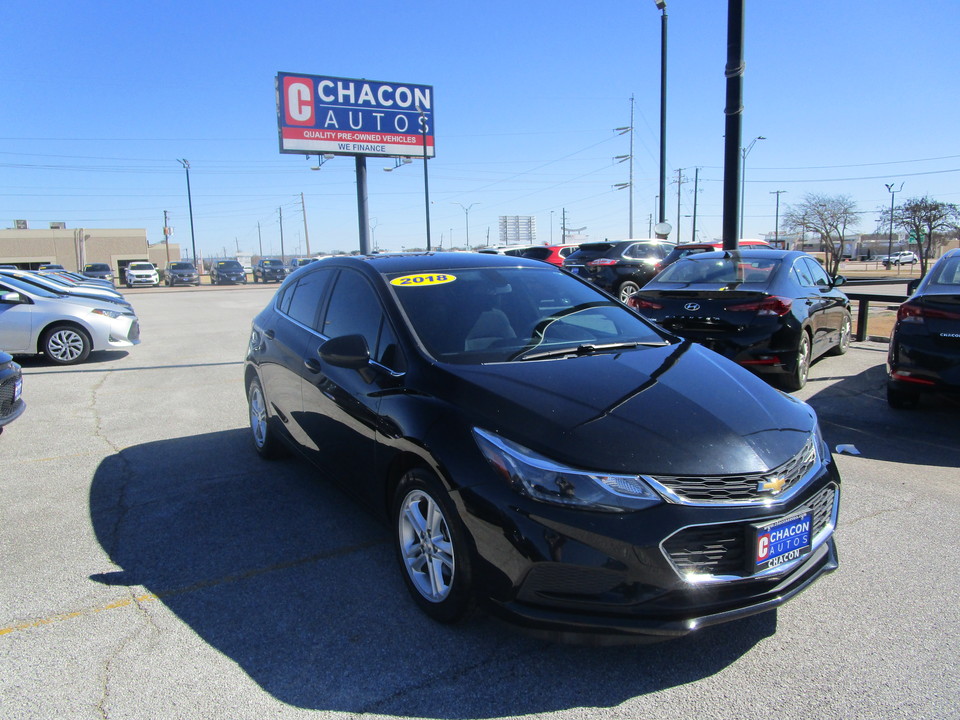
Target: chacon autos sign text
[343,116]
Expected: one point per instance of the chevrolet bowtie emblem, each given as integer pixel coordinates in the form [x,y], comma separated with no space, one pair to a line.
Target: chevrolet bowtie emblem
[772,486]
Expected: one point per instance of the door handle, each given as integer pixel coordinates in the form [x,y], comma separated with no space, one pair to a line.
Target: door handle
[269,334]
[312,365]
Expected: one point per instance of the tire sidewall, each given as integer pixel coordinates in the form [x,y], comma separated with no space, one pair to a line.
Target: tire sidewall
[459,602]
[87,344]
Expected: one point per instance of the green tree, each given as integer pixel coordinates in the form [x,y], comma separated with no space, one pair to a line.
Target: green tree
[830,216]
[928,222]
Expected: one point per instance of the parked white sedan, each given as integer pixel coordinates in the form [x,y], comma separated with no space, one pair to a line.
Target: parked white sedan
[65,329]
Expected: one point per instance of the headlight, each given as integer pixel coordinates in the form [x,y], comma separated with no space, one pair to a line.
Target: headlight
[542,479]
[113,314]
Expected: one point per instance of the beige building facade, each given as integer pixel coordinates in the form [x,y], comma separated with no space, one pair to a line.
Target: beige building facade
[74,248]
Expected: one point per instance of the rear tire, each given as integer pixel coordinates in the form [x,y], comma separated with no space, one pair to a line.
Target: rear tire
[265,441]
[846,330]
[902,399]
[432,548]
[627,288]
[797,378]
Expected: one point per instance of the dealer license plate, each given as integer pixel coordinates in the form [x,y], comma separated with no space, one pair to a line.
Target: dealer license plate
[783,540]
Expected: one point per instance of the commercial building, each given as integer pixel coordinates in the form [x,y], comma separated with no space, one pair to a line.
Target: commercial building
[73,248]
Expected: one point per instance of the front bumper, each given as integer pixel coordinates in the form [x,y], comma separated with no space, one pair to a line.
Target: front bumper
[662,572]
[143,280]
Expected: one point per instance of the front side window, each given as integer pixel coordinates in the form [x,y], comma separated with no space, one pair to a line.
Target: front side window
[302,301]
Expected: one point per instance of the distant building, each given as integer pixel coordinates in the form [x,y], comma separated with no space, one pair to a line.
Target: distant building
[73,248]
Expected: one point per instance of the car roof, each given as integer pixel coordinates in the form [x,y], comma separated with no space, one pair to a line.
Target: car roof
[426,261]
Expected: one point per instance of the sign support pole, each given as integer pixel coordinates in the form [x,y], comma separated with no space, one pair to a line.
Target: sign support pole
[362,209]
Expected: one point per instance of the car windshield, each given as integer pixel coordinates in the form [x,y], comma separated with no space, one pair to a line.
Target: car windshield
[272,262]
[482,315]
[96,267]
[727,270]
[141,266]
[9,284]
[229,265]
[181,266]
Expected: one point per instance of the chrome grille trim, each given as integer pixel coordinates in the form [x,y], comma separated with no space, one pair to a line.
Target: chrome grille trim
[717,549]
[712,490]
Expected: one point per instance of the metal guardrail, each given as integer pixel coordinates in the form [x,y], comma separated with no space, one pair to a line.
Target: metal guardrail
[863,307]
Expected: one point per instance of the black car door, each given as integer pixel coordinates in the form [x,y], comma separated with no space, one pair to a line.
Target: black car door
[341,406]
[831,307]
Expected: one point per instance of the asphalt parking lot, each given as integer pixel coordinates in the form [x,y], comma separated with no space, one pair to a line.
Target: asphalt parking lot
[154,567]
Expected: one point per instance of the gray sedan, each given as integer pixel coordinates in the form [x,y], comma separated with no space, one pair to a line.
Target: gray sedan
[34,320]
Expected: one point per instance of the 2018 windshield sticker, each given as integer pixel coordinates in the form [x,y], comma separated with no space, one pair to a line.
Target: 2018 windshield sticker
[423,279]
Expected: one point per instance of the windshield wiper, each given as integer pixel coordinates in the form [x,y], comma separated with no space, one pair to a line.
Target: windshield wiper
[589,349]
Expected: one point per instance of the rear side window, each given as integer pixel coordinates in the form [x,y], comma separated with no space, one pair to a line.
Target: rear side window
[302,301]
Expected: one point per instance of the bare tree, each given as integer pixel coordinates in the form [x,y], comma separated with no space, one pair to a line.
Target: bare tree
[830,216]
[922,218]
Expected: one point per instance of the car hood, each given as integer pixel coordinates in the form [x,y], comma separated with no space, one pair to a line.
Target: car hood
[673,410]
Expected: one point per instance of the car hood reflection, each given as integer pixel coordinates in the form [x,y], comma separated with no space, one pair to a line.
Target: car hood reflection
[651,410]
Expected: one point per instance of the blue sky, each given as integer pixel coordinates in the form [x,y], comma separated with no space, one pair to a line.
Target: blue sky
[101,99]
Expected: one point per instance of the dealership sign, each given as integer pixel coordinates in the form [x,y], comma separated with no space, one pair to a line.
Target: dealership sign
[342,116]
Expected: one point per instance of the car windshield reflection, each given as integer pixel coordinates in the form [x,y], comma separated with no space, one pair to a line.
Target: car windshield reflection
[486,315]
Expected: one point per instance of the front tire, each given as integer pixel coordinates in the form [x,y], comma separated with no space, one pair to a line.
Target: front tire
[432,548]
[66,345]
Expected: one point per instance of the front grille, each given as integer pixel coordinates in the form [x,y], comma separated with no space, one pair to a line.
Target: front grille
[7,390]
[738,489]
[721,549]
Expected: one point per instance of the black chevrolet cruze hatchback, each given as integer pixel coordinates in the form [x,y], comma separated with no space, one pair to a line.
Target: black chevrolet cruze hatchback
[540,449]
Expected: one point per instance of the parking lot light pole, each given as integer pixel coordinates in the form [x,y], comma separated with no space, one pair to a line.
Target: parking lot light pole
[466,213]
[743,172]
[193,240]
[893,194]
[662,197]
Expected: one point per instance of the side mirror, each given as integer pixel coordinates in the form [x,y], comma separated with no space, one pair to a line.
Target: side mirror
[838,281]
[12,298]
[912,286]
[347,351]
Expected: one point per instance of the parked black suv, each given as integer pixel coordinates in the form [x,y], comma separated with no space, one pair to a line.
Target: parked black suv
[227,272]
[269,270]
[181,273]
[621,268]
[11,405]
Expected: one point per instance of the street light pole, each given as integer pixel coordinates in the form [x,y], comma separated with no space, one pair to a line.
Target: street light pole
[193,240]
[893,194]
[743,172]
[426,182]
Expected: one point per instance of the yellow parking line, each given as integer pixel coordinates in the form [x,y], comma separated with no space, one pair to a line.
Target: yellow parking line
[77,613]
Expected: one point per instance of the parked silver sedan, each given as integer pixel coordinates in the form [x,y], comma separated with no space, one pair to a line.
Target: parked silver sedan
[65,329]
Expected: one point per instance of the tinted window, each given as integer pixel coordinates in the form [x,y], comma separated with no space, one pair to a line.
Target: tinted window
[947,272]
[718,270]
[353,309]
[97,267]
[302,301]
[819,275]
[229,265]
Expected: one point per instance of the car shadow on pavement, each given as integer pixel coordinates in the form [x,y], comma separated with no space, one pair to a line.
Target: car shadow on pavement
[853,411]
[298,585]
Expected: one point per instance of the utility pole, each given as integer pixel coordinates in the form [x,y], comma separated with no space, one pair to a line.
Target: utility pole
[282,258]
[696,192]
[306,234]
[193,240]
[166,235]
[259,238]
[776,222]
[680,181]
